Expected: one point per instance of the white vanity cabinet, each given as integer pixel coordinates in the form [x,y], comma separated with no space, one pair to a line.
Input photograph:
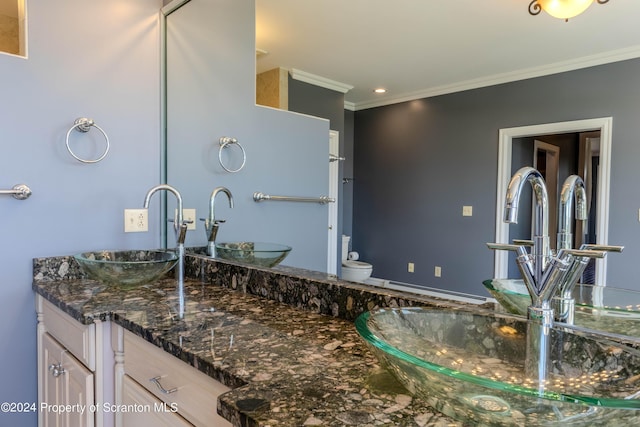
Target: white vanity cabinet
[165,390]
[75,369]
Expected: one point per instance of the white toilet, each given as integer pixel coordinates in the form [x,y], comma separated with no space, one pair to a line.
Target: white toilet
[352,270]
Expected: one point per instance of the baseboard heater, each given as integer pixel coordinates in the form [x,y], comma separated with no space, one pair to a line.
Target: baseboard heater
[425,290]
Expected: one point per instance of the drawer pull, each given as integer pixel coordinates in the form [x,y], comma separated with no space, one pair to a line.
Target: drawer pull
[156,381]
[56,370]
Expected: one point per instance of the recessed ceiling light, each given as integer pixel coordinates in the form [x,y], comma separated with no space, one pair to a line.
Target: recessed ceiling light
[380,90]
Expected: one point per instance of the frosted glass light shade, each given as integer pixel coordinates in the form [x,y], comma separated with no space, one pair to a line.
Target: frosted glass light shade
[564,9]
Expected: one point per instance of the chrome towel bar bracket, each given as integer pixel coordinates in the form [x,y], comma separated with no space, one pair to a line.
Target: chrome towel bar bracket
[323,200]
[225,142]
[83,125]
[19,191]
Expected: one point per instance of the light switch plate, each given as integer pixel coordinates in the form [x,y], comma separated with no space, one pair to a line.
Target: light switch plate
[467,211]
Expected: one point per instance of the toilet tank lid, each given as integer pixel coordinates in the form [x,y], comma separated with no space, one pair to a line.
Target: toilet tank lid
[356,264]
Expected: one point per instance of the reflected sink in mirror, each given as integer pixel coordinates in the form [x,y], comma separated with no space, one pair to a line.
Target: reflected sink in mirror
[254,253]
[601,308]
[128,268]
[471,367]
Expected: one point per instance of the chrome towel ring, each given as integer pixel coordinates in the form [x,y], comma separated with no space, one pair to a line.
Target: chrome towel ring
[225,142]
[83,125]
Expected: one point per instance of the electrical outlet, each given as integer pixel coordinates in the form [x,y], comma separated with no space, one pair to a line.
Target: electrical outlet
[136,220]
[437,271]
[410,267]
[188,215]
[467,211]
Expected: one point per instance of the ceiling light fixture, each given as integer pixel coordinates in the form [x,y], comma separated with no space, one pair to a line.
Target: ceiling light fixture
[561,9]
[380,90]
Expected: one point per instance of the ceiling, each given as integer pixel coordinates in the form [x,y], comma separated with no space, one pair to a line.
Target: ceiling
[421,48]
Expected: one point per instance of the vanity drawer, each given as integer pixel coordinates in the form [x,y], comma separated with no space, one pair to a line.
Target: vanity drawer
[76,337]
[194,394]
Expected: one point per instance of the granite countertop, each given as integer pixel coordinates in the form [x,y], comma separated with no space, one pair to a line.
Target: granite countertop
[286,366]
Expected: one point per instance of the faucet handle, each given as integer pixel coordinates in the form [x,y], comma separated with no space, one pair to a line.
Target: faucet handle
[523,242]
[586,253]
[606,248]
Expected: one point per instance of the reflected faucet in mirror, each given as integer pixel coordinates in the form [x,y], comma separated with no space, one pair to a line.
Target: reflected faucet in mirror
[211,224]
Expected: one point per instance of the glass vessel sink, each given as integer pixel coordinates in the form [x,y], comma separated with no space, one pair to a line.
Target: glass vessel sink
[254,253]
[602,308]
[471,367]
[126,268]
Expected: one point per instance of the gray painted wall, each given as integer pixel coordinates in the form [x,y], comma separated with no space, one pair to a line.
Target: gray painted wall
[211,93]
[95,59]
[417,163]
[316,101]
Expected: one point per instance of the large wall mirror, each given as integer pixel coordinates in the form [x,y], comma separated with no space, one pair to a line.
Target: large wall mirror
[13,27]
[210,67]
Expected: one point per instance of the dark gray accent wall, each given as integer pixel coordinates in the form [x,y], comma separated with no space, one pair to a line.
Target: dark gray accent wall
[417,163]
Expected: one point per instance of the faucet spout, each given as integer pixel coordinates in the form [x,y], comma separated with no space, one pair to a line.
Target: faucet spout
[541,250]
[573,188]
[178,222]
[212,201]
[212,225]
[180,228]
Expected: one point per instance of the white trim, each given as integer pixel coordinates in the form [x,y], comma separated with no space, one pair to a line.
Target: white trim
[527,73]
[425,290]
[313,79]
[506,136]
[334,171]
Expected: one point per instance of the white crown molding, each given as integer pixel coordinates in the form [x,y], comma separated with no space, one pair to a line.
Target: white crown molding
[313,79]
[528,73]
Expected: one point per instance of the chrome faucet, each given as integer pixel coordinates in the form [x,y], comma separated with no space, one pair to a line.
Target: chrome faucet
[542,273]
[212,225]
[540,250]
[573,187]
[179,226]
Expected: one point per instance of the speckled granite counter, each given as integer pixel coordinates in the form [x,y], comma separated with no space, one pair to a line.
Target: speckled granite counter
[288,364]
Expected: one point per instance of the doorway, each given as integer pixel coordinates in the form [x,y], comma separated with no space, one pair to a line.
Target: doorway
[601,222]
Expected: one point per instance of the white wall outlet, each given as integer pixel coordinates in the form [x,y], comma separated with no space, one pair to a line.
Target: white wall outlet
[467,211]
[187,215]
[411,267]
[136,220]
[437,271]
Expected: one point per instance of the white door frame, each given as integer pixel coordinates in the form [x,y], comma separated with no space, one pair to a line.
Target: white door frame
[505,141]
[334,170]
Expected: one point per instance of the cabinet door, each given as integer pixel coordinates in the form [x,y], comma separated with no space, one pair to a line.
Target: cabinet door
[49,384]
[65,381]
[77,390]
[146,409]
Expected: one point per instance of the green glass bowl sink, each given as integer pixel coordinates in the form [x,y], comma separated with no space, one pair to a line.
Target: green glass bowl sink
[600,308]
[254,253]
[471,367]
[128,268]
